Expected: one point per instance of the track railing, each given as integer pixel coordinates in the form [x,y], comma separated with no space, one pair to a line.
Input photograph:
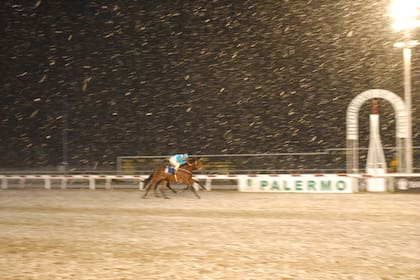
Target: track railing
[93,181]
[400,180]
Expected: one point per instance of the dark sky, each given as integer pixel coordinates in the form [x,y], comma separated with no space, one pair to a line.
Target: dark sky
[203,77]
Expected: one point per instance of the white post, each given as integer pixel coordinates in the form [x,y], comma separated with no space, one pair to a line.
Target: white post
[22,182]
[108,183]
[375,163]
[405,14]
[407,99]
[207,184]
[63,183]
[47,183]
[4,183]
[91,183]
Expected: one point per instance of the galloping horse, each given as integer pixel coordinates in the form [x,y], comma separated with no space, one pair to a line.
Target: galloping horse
[183,176]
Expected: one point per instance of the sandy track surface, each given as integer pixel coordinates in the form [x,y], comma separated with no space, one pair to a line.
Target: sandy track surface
[114,234]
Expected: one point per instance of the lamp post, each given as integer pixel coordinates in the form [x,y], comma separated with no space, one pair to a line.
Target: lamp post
[404,13]
[65,155]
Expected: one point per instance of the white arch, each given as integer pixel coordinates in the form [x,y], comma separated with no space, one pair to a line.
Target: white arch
[397,103]
[352,122]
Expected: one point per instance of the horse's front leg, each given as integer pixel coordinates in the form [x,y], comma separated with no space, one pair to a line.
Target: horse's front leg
[193,190]
[199,183]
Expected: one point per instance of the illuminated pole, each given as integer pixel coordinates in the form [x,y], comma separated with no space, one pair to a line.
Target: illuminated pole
[65,156]
[407,99]
[407,44]
[405,13]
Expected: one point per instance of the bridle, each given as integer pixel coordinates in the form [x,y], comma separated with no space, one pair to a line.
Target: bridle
[190,164]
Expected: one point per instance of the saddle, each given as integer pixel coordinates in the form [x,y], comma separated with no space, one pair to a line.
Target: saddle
[170,170]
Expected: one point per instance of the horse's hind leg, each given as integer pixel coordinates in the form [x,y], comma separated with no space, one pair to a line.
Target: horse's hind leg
[163,193]
[155,187]
[160,189]
[147,189]
[147,180]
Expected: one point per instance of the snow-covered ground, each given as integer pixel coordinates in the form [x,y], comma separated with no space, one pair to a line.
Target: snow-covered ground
[114,234]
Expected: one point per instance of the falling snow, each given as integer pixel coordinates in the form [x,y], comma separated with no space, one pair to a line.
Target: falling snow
[204,77]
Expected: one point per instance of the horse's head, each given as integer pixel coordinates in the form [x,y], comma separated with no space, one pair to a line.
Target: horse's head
[197,164]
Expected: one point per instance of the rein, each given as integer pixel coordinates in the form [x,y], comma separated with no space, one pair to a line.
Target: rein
[193,165]
[185,170]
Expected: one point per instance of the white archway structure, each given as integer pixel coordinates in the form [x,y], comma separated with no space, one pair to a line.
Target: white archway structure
[352,130]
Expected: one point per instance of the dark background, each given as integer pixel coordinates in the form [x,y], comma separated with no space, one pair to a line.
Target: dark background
[203,77]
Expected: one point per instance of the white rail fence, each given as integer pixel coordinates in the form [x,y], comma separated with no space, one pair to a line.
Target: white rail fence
[93,181]
[358,181]
[64,180]
[106,180]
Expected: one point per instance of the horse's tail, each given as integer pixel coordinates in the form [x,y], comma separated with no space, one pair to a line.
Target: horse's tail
[147,180]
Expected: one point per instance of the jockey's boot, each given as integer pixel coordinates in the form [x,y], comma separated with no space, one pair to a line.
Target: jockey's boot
[176,178]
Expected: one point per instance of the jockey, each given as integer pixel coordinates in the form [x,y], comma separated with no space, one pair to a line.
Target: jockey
[177,160]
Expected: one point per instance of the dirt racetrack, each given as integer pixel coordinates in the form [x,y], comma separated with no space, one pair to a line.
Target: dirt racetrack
[114,234]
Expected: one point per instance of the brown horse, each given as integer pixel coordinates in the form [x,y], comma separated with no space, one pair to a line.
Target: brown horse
[183,176]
